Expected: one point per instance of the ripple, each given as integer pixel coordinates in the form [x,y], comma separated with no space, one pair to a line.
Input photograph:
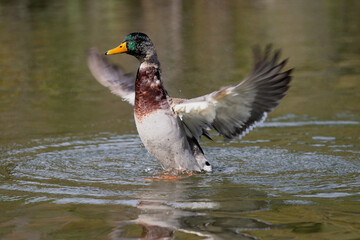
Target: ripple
[131,203]
[109,169]
[194,205]
[322,138]
[329,195]
[281,171]
[101,167]
[307,123]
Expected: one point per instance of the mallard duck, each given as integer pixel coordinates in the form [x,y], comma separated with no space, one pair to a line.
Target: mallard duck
[170,128]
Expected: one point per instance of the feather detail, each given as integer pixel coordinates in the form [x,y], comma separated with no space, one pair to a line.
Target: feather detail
[111,76]
[236,110]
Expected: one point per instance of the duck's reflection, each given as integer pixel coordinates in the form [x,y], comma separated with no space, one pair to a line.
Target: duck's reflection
[160,214]
[193,208]
[158,221]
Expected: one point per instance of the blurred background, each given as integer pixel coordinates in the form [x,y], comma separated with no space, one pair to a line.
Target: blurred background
[67,143]
[46,87]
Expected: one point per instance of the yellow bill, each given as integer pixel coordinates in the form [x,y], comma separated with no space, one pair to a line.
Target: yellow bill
[120,49]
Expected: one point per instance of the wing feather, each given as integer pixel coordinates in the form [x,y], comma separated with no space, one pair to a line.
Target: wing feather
[111,76]
[235,110]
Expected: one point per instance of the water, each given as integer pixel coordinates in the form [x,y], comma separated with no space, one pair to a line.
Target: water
[73,167]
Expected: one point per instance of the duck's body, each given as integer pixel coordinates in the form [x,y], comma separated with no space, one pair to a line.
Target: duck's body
[170,128]
[159,128]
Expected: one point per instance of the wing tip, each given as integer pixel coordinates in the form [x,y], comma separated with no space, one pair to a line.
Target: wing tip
[253,125]
[110,75]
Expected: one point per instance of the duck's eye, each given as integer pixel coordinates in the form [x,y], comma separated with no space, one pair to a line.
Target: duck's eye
[207,163]
[120,46]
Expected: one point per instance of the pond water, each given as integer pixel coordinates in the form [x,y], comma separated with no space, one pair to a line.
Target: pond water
[73,167]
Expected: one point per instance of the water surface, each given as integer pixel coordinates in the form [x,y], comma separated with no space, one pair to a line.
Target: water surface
[73,167]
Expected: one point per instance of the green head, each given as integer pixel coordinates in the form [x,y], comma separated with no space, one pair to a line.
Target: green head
[137,44]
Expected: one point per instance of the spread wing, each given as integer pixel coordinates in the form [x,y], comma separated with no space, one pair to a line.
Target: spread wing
[111,76]
[234,111]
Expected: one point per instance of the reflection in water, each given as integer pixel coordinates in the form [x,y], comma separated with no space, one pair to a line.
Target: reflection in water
[104,170]
[105,165]
[70,167]
[170,209]
[158,217]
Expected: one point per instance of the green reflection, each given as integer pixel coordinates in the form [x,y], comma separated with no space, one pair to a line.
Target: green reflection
[48,96]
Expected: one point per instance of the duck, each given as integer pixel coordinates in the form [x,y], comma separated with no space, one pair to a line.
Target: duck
[171,128]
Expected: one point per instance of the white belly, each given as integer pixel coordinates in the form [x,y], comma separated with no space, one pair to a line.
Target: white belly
[165,139]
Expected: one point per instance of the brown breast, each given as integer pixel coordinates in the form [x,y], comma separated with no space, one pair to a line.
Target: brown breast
[150,95]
